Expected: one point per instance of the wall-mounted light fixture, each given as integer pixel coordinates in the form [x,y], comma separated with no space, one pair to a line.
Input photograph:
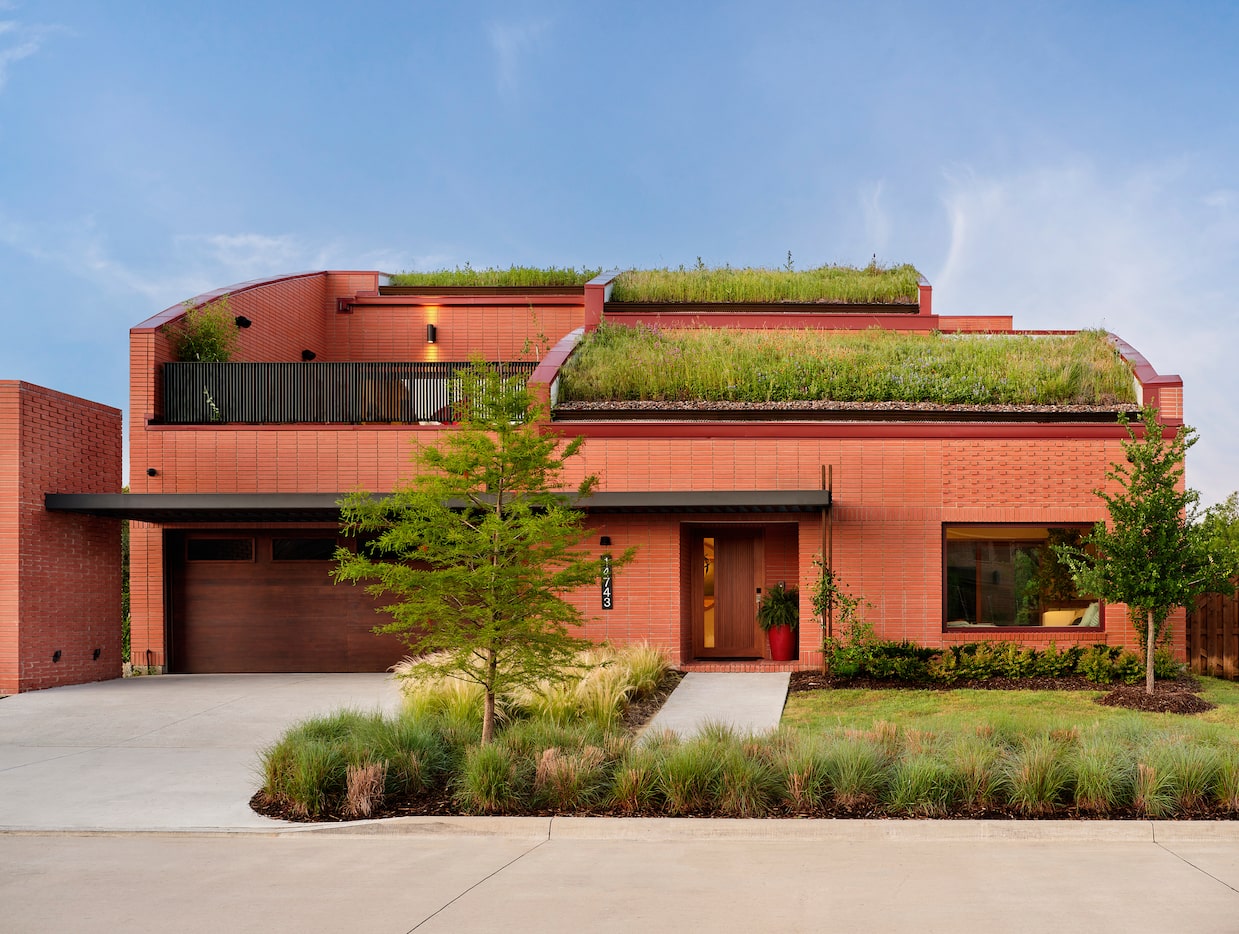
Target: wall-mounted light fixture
[432,334]
[605,540]
[96,654]
[56,656]
[152,472]
[308,355]
[243,322]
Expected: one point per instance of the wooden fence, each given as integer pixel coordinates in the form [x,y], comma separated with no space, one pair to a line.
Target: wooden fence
[1213,636]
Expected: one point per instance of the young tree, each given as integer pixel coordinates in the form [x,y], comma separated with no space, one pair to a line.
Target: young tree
[479,549]
[1153,555]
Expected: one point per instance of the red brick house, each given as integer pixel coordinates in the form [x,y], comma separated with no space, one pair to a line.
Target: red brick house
[236,470]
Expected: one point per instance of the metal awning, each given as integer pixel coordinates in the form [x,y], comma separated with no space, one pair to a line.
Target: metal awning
[323,507]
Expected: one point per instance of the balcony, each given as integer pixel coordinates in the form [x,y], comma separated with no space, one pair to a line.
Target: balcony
[325,393]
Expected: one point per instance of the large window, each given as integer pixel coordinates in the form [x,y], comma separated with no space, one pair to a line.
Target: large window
[1009,576]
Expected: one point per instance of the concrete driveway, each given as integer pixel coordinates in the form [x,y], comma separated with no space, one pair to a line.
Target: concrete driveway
[174,752]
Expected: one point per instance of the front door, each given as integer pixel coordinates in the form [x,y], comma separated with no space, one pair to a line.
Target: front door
[726,580]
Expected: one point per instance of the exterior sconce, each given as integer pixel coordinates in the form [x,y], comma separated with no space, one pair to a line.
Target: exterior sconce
[243,322]
[432,334]
[308,355]
[56,656]
[152,472]
[96,654]
[605,540]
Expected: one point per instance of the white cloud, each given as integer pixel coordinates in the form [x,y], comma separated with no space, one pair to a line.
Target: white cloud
[512,43]
[1141,253]
[18,41]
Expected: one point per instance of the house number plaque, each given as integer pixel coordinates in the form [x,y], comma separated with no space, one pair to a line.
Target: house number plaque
[608,593]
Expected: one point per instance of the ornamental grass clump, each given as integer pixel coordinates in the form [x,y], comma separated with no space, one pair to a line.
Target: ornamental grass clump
[805,766]
[688,776]
[1104,773]
[856,770]
[750,785]
[492,780]
[923,785]
[635,785]
[1038,777]
[977,760]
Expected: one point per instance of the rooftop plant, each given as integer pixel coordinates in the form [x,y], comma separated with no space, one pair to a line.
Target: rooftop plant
[617,363]
[701,283]
[206,333]
[514,276]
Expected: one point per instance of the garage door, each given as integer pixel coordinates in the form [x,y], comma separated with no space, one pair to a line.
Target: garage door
[264,601]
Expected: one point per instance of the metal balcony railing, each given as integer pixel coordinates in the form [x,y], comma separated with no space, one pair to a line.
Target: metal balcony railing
[284,393]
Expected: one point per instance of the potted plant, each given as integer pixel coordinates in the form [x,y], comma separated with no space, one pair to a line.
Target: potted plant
[779,616]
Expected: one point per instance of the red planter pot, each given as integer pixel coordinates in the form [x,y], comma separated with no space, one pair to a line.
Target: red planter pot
[782,643]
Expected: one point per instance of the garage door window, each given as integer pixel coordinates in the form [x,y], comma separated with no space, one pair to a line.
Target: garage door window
[220,549]
[303,549]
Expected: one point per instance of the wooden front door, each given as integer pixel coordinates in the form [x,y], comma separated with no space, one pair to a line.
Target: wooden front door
[726,574]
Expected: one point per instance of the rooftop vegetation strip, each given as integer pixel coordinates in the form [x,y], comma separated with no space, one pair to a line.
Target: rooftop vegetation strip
[618,363]
[873,284]
[513,277]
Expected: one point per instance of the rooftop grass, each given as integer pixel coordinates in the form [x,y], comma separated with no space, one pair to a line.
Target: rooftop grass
[873,284]
[617,363]
[513,277]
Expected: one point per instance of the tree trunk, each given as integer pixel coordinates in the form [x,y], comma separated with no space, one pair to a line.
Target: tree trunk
[488,709]
[1149,639]
[488,718]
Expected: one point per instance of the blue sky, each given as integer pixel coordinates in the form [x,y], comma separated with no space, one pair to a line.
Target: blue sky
[1073,164]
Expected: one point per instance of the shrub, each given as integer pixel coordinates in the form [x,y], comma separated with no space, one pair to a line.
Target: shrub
[1129,668]
[1097,663]
[1053,663]
[206,333]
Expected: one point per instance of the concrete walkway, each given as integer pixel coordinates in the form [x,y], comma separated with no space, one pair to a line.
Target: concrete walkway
[748,702]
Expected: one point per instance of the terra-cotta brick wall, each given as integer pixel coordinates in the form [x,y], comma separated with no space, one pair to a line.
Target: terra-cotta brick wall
[60,575]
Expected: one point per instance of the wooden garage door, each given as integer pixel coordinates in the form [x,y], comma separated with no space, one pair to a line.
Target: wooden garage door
[263,601]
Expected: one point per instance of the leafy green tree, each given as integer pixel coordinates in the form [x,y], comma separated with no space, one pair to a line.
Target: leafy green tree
[1155,554]
[480,549]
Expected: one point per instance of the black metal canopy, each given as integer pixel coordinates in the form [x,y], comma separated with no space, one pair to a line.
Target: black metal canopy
[323,507]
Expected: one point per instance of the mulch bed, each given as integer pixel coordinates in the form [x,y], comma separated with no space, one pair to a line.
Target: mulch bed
[1181,695]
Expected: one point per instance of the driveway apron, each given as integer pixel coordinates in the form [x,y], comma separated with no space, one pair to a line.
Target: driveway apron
[173,752]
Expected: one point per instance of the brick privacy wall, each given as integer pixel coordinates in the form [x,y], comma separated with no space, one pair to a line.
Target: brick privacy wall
[892,496]
[398,332]
[59,573]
